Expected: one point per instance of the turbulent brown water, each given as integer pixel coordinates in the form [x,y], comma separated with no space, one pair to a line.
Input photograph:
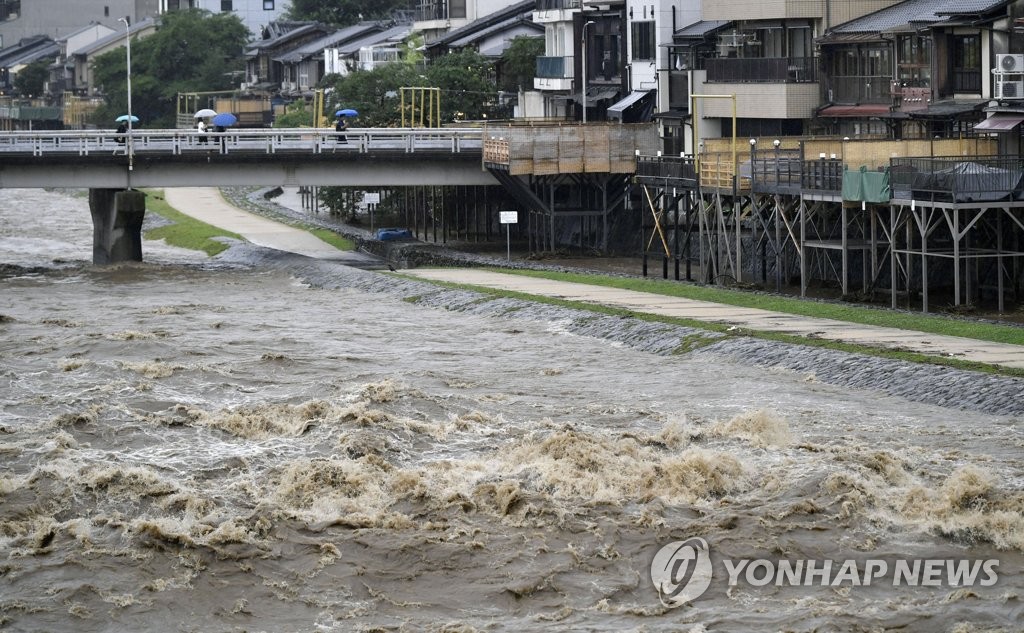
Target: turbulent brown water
[197,446]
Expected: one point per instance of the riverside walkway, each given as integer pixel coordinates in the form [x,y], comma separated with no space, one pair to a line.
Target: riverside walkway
[206,204]
[989,353]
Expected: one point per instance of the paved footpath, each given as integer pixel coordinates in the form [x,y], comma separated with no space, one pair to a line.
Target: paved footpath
[1002,354]
[206,204]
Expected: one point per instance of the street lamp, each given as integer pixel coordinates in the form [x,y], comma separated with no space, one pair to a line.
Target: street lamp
[583,79]
[128,76]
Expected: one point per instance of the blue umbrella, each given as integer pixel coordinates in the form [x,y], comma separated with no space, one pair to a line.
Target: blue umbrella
[346,112]
[124,119]
[225,119]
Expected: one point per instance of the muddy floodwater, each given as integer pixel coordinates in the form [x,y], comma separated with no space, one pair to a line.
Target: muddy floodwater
[263,444]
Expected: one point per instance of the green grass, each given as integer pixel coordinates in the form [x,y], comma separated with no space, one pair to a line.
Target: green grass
[930,323]
[185,231]
[332,238]
[696,341]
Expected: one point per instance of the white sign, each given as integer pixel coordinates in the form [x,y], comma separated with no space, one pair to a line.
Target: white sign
[509,217]
[371,198]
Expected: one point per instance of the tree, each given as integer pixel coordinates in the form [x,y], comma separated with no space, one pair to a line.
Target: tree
[191,51]
[31,80]
[518,64]
[466,80]
[344,12]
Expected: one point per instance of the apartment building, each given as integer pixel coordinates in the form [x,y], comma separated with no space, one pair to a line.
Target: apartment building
[255,14]
[56,19]
[435,18]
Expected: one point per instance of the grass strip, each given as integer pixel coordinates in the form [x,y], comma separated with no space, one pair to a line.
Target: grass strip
[878,352]
[184,230]
[334,239]
[864,315]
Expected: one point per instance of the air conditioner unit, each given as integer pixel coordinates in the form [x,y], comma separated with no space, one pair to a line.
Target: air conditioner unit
[1010,63]
[1010,89]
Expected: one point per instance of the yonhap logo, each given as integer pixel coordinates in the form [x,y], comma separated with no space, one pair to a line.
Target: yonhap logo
[681,571]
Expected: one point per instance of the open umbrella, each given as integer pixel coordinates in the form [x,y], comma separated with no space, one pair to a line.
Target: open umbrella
[204,113]
[124,118]
[225,119]
[346,112]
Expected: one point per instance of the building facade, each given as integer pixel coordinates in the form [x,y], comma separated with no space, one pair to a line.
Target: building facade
[58,18]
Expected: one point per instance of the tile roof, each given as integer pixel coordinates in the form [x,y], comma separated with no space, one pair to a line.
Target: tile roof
[905,15]
[701,29]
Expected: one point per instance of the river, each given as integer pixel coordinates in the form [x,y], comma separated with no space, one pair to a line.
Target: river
[258,443]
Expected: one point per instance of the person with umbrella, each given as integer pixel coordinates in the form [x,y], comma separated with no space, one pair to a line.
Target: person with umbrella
[342,123]
[201,127]
[122,128]
[220,124]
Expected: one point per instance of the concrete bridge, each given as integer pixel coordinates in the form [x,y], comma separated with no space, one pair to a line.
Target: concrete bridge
[114,166]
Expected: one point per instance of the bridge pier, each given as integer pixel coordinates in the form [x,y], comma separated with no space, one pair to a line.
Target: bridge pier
[117,216]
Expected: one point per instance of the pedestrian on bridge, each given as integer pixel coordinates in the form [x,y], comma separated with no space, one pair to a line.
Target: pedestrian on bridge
[340,127]
[201,128]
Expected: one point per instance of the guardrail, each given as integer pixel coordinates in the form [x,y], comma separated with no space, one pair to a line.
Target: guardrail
[244,141]
[957,178]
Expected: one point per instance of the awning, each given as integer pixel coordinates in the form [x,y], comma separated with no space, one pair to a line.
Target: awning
[631,108]
[701,30]
[1000,122]
[863,110]
[622,104]
[593,95]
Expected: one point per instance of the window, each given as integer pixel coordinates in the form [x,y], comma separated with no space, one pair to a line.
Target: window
[457,9]
[106,11]
[268,5]
[966,63]
[225,5]
[860,74]
[914,58]
[643,40]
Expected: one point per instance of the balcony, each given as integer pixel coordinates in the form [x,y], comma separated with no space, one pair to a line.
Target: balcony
[557,5]
[762,69]
[554,73]
[429,11]
[554,68]
[861,89]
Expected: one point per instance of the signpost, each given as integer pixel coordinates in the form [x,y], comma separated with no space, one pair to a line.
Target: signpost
[371,200]
[508,218]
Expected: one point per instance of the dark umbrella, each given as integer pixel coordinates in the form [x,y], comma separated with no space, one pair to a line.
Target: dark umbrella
[346,112]
[225,119]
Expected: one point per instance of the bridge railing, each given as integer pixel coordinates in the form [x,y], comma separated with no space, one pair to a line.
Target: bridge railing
[260,141]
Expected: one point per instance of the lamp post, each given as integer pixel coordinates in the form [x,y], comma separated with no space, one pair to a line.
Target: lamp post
[583,61]
[128,76]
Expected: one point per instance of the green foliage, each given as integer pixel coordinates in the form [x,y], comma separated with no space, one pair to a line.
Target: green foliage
[185,231]
[30,80]
[465,80]
[343,12]
[297,114]
[373,93]
[192,51]
[518,64]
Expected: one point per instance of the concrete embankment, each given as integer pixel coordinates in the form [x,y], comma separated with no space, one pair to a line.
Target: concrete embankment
[942,386]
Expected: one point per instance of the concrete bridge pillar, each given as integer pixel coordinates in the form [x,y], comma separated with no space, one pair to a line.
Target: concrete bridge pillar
[117,216]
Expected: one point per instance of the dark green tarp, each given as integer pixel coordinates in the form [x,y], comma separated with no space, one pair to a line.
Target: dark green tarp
[866,186]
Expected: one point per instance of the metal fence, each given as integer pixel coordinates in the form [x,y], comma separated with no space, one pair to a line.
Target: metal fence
[957,179]
[762,69]
[679,169]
